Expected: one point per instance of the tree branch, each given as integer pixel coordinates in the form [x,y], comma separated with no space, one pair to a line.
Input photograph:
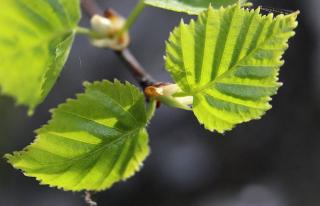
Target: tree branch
[90,7]
[137,71]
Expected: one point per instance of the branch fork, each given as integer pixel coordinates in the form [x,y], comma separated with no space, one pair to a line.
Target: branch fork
[139,73]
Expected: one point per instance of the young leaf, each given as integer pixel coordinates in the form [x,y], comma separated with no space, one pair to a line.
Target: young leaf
[91,142]
[191,6]
[35,40]
[229,60]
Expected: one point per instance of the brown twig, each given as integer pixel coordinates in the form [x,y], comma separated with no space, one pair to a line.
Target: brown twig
[90,7]
[88,199]
[138,72]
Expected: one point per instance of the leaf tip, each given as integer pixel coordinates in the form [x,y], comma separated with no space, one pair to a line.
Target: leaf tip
[7,157]
[13,158]
[182,22]
[30,111]
[279,84]
[295,14]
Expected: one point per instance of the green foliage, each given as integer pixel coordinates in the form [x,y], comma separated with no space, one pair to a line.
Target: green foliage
[91,142]
[35,40]
[226,65]
[191,6]
[229,60]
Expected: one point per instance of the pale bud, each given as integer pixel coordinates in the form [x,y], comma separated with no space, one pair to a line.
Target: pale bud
[105,32]
[101,25]
[188,100]
[166,95]
[169,90]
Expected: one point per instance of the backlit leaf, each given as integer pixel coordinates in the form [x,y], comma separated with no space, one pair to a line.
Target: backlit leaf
[91,142]
[191,6]
[229,61]
[35,40]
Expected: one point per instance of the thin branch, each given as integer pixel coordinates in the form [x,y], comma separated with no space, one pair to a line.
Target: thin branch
[88,199]
[139,73]
[90,7]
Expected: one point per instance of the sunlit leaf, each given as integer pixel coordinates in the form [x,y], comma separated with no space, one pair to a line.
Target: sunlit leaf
[229,61]
[91,142]
[35,40]
[191,6]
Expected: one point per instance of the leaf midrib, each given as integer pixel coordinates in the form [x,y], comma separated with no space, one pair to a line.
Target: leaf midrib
[114,100]
[99,148]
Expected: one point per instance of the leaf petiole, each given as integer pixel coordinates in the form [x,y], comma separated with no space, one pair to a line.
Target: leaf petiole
[133,17]
[151,108]
[88,32]
[83,30]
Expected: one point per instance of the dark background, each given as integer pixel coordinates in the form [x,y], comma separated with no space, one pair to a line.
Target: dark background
[271,162]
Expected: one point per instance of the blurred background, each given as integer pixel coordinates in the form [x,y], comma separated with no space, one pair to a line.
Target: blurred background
[271,162]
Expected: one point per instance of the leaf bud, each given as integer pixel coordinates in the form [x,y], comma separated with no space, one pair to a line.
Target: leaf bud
[168,95]
[105,31]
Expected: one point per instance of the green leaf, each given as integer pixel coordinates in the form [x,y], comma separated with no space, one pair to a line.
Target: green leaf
[91,142]
[35,40]
[229,60]
[191,6]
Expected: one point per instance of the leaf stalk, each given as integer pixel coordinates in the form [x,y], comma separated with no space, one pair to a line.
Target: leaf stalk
[83,30]
[133,17]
